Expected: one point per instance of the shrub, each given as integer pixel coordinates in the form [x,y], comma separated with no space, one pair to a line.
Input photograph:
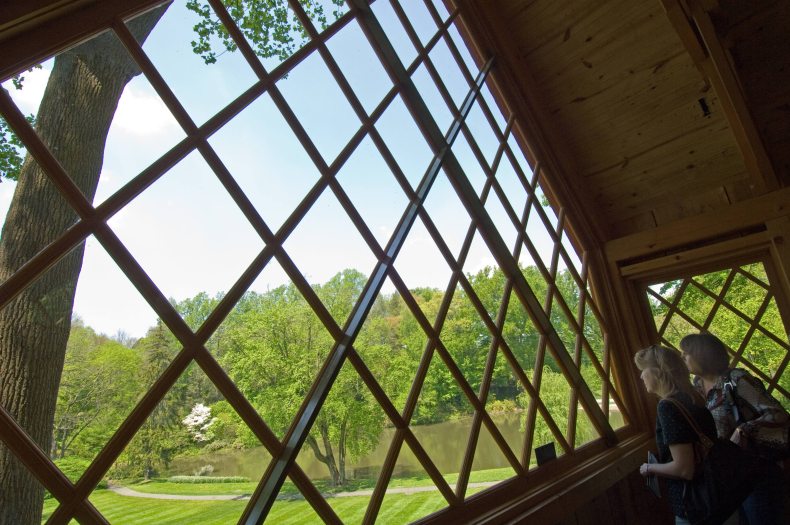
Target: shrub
[205,470]
[208,479]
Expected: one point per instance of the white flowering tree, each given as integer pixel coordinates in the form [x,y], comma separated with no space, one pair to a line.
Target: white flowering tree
[199,422]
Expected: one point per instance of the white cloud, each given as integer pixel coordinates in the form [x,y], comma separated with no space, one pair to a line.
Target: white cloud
[29,97]
[6,194]
[142,113]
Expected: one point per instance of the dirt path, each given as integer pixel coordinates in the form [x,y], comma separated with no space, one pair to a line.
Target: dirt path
[125,491]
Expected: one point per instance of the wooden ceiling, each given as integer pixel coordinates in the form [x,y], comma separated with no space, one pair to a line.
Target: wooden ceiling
[645,112]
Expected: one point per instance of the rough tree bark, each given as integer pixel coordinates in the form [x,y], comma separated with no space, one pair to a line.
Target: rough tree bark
[73,120]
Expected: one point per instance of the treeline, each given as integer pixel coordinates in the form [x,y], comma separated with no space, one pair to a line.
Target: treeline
[272,345]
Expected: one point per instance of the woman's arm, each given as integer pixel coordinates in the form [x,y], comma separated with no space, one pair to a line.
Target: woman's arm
[681,466]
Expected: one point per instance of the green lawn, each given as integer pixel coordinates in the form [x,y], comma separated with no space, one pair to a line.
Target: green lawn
[395,509]
[166,487]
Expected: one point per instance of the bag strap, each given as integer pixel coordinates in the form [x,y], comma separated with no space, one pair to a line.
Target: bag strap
[732,397]
[704,440]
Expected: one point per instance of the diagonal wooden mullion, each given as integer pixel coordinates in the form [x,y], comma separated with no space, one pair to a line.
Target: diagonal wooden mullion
[500,136]
[367,127]
[453,368]
[752,327]
[547,275]
[490,235]
[51,167]
[138,184]
[252,418]
[753,324]
[402,433]
[135,273]
[71,193]
[485,385]
[719,298]
[772,381]
[671,306]
[422,369]
[458,276]
[537,371]
[437,19]
[533,252]
[756,280]
[270,484]
[577,358]
[602,367]
[492,328]
[748,319]
[41,466]
[42,261]
[673,310]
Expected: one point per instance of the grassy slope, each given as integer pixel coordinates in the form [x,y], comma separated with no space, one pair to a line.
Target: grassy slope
[398,509]
[395,509]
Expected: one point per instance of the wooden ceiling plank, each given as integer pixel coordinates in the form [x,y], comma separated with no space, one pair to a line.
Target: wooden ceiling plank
[740,216]
[666,172]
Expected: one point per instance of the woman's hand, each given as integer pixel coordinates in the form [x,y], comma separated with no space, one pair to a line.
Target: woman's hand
[644,470]
[738,437]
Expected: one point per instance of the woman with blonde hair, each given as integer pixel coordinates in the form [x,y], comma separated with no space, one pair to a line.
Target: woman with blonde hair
[665,374]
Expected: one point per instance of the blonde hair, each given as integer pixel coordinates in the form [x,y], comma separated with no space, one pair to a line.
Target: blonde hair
[672,374]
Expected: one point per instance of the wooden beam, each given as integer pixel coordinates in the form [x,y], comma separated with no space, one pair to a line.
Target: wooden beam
[695,29]
[679,18]
[692,261]
[738,216]
[30,37]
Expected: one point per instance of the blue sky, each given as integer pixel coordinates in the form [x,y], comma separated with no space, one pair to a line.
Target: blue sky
[186,231]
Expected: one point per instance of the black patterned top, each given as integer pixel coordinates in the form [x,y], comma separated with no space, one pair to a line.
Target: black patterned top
[671,429]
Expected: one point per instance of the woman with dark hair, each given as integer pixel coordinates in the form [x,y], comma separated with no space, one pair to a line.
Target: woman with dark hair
[665,374]
[741,409]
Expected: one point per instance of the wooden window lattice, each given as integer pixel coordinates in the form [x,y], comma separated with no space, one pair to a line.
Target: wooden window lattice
[666,301]
[569,355]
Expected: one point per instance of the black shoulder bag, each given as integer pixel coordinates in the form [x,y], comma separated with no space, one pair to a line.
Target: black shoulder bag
[724,475]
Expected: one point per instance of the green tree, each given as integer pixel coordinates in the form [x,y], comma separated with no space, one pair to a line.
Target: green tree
[276,347]
[98,389]
[162,435]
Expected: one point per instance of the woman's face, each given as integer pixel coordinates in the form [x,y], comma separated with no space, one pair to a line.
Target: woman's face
[691,363]
[649,378]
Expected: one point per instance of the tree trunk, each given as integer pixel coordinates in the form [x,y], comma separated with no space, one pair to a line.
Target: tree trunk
[73,121]
[327,459]
[341,452]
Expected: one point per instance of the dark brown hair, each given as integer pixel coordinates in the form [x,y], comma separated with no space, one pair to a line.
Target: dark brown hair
[708,351]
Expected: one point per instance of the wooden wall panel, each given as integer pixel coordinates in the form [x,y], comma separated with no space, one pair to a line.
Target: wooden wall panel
[625,503]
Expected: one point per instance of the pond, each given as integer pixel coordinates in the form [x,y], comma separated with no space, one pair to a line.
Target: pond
[444,442]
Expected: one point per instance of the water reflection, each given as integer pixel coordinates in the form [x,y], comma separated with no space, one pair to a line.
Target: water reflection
[251,462]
